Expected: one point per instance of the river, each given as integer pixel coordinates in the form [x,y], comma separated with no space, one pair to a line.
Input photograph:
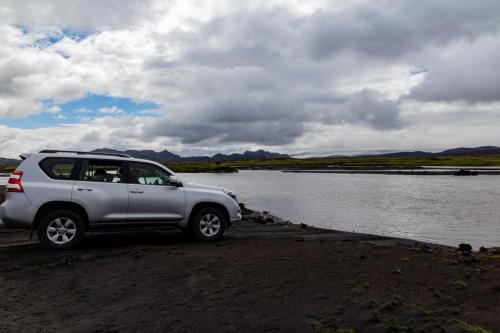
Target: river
[438,209]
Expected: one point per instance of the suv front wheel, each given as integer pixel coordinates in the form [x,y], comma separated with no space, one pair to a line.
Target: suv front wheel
[209,224]
[61,229]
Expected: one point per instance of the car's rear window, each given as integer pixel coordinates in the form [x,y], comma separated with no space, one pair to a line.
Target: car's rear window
[58,168]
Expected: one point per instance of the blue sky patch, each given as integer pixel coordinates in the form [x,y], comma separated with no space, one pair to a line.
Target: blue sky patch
[53,37]
[417,71]
[80,110]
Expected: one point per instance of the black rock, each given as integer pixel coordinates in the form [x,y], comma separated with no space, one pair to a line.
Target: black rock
[464,172]
[269,220]
[260,220]
[483,249]
[265,212]
[424,247]
[463,247]
[244,209]
[303,225]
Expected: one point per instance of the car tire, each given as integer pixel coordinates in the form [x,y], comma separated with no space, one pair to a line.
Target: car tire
[61,229]
[208,224]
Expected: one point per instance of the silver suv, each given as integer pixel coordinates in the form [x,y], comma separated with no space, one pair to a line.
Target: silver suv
[64,194]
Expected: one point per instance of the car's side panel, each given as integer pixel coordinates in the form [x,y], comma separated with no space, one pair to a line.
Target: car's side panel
[104,202]
[156,203]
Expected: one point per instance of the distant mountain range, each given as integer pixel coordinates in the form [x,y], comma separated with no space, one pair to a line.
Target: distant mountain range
[164,155]
[484,150]
[167,156]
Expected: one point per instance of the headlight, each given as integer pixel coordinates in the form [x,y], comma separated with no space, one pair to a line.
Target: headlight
[231,194]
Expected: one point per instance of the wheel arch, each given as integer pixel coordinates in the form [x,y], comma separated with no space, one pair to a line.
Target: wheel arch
[56,205]
[207,204]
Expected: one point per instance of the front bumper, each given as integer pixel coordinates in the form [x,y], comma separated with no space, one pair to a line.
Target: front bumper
[237,217]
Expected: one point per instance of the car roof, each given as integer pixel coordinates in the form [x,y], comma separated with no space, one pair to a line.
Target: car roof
[118,154]
[83,155]
[90,155]
[93,155]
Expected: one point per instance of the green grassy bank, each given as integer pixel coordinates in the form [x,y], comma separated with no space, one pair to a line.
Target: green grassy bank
[360,162]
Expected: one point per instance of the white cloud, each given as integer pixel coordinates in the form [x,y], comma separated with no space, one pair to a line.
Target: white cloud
[83,110]
[255,73]
[88,14]
[468,71]
[29,75]
[126,131]
[54,109]
[111,110]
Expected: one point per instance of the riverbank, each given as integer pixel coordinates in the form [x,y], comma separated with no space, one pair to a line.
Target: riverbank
[264,275]
[347,163]
[418,172]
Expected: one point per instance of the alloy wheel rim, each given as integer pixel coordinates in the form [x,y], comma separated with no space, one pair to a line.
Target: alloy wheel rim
[61,230]
[210,225]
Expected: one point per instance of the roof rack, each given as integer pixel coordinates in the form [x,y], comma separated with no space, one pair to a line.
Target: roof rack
[49,151]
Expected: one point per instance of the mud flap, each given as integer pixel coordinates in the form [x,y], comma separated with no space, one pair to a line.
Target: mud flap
[31,231]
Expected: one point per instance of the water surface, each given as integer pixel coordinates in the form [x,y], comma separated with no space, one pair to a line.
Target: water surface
[437,209]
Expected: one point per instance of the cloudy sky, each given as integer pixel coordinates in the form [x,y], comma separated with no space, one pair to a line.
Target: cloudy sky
[207,76]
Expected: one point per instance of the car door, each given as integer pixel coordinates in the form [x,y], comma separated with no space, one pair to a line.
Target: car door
[151,197]
[102,190]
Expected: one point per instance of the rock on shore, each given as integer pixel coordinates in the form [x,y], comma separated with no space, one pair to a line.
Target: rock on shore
[264,217]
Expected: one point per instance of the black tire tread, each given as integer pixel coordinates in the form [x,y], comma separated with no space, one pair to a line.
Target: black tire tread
[196,220]
[44,222]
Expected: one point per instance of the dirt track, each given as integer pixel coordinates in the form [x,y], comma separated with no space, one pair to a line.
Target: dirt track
[259,278]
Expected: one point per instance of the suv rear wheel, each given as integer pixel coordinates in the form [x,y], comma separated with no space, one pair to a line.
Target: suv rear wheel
[61,229]
[209,224]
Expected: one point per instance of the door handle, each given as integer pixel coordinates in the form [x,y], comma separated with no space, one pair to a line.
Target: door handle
[136,191]
[84,189]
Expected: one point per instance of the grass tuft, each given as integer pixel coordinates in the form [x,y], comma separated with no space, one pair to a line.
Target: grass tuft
[469,328]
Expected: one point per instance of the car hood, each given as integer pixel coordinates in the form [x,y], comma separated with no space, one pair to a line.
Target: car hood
[201,186]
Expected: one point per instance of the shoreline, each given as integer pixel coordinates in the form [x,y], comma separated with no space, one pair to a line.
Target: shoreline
[451,172]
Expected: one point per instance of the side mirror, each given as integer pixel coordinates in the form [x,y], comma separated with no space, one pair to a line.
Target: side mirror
[175,182]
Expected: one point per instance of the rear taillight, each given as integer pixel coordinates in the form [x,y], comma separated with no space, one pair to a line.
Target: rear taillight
[14,184]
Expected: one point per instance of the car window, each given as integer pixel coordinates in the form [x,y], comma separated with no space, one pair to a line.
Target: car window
[58,168]
[148,174]
[102,171]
